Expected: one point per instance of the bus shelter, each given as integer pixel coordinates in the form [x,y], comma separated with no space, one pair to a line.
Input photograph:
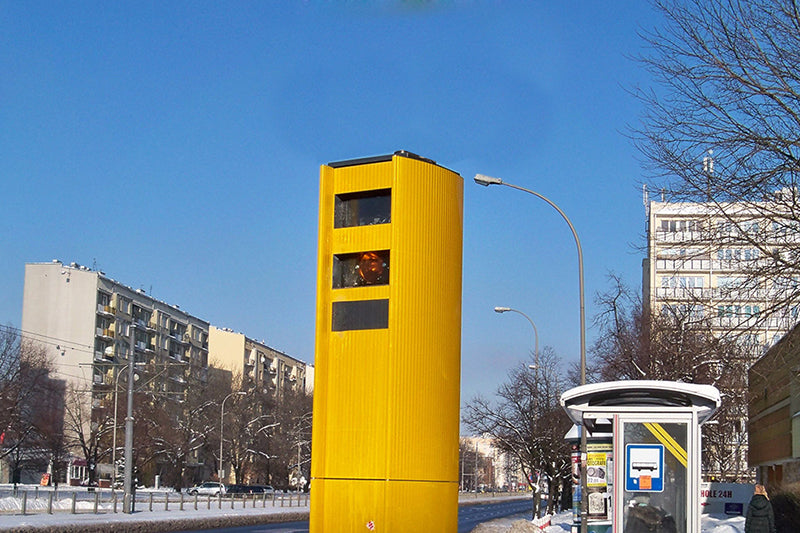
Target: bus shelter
[651,479]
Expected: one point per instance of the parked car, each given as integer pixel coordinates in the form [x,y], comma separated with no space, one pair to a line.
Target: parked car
[250,489]
[212,488]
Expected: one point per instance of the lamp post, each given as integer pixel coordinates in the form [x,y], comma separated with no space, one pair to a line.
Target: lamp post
[535,367]
[221,429]
[481,179]
[114,437]
[127,503]
[535,334]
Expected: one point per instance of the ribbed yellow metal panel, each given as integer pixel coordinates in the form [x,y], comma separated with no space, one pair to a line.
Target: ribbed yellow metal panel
[424,324]
[386,401]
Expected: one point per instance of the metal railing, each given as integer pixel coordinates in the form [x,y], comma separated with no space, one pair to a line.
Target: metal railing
[101,501]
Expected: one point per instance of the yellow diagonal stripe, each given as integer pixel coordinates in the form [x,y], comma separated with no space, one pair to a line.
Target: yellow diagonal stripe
[666,439]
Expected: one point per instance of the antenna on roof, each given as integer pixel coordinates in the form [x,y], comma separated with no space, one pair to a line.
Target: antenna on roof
[708,163]
[708,170]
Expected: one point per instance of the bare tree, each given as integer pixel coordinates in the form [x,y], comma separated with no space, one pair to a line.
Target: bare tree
[24,380]
[728,81]
[51,439]
[270,437]
[527,422]
[632,344]
[87,429]
[174,429]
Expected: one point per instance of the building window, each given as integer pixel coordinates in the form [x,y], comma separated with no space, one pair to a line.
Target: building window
[141,315]
[728,311]
[682,282]
[691,311]
[124,305]
[751,227]
[785,284]
[362,208]
[725,228]
[724,282]
[677,225]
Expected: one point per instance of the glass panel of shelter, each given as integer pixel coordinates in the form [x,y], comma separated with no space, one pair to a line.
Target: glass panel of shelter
[655,475]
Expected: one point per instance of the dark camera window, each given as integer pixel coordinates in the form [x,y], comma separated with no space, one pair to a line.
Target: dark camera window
[362,208]
[362,314]
[361,269]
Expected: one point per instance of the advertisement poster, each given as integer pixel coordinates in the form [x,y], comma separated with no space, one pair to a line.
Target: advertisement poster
[599,464]
[596,469]
[576,484]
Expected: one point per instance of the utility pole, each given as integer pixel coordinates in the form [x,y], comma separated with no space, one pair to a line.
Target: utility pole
[127,501]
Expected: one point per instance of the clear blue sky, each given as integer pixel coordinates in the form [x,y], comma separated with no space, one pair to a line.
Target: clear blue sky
[176,146]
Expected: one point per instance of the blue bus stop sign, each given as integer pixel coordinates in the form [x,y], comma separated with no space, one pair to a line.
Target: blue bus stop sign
[644,467]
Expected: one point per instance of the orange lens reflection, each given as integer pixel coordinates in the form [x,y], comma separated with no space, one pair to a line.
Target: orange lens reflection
[370,267]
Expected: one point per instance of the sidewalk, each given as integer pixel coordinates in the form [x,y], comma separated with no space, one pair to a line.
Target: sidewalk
[145,521]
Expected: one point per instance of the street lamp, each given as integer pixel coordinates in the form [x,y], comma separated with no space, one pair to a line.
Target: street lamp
[221,429]
[128,495]
[481,179]
[535,334]
[114,437]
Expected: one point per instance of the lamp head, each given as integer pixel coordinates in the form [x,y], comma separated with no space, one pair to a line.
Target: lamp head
[502,309]
[481,179]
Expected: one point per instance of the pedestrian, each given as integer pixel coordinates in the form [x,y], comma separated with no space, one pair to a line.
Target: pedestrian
[760,518]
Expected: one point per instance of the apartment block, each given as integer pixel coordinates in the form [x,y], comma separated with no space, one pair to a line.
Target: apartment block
[260,366]
[93,324]
[700,265]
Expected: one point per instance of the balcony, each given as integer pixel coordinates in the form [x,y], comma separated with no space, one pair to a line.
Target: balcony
[734,322]
[682,293]
[106,310]
[678,236]
[736,294]
[716,294]
[675,265]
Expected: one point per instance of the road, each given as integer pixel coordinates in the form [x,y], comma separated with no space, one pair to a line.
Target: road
[469,516]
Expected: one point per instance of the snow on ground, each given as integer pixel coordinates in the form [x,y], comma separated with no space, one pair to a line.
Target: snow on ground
[44,520]
[562,522]
[722,524]
[708,523]
[559,523]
